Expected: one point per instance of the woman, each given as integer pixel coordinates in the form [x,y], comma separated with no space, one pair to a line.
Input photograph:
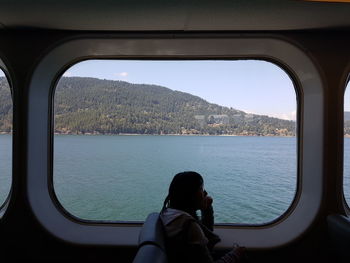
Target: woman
[190,239]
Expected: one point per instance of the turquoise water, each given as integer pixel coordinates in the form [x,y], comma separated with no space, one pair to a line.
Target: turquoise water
[346,183]
[5,166]
[252,179]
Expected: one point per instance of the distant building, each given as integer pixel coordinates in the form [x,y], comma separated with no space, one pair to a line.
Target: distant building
[212,119]
[218,119]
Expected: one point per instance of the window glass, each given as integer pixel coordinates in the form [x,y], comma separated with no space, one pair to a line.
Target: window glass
[124,128]
[346,177]
[5,138]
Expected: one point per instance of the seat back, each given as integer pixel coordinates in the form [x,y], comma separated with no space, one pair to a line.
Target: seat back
[151,241]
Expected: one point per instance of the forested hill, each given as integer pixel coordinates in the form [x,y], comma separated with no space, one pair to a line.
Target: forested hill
[347,123]
[95,106]
[5,106]
[88,105]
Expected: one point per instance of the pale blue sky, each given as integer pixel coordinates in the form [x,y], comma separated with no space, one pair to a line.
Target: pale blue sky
[250,85]
[347,98]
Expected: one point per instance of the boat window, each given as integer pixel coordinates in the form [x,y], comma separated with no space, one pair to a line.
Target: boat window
[5,138]
[346,176]
[124,128]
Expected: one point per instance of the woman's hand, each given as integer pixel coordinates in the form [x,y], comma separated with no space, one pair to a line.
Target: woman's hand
[207,212]
[208,201]
[204,201]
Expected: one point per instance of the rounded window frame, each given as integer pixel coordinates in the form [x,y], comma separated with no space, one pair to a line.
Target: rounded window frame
[5,204]
[345,203]
[309,92]
[265,59]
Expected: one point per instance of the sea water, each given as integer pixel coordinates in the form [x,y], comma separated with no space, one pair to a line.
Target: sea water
[251,179]
[123,178]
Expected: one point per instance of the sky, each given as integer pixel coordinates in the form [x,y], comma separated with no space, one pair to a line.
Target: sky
[347,98]
[250,85]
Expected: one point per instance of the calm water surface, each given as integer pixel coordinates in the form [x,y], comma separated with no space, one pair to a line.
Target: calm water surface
[5,166]
[347,170]
[252,179]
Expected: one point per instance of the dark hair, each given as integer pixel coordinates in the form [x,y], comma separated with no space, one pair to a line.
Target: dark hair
[182,192]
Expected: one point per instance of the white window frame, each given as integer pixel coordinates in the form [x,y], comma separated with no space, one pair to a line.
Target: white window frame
[346,205]
[310,94]
[4,205]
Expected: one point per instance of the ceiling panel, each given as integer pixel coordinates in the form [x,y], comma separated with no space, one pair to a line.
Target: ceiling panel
[183,15]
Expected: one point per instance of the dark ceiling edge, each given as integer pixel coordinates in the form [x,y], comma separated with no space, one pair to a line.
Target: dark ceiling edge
[29,30]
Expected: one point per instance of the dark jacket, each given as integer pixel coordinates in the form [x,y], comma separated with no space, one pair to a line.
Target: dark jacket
[191,240]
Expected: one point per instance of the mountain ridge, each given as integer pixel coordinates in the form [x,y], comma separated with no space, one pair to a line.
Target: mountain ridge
[119,107]
[95,106]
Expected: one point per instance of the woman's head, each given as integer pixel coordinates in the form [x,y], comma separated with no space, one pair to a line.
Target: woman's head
[186,192]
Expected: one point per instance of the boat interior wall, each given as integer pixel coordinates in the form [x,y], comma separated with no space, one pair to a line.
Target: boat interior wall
[21,50]
[184,15]
[339,230]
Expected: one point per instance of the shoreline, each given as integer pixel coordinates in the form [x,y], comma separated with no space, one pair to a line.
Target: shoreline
[184,135]
[136,134]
